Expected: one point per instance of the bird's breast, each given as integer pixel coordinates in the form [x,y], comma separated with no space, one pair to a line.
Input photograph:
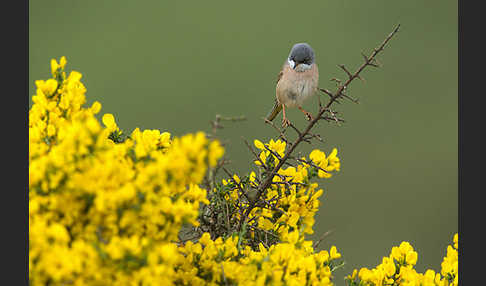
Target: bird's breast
[295,87]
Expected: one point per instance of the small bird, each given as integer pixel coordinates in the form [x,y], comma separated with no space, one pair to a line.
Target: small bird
[297,81]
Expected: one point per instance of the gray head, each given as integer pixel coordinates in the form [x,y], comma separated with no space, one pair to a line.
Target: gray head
[301,53]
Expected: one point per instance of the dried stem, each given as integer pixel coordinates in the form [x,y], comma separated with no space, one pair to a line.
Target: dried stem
[316,243]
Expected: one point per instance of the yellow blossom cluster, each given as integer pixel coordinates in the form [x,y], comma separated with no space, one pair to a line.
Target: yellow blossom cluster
[102,210]
[398,269]
[283,215]
[273,151]
[224,262]
[295,197]
[106,208]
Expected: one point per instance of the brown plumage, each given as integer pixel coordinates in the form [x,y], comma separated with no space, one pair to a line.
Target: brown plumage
[294,85]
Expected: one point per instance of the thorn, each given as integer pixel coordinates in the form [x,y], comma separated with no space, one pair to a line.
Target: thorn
[350,98]
[362,79]
[326,92]
[372,64]
[338,81]
[377,62]
[365,57]
[345,70]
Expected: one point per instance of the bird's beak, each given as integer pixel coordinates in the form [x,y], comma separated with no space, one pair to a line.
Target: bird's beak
[296,64]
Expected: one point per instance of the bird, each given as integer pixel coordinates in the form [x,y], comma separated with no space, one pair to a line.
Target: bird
[297,81]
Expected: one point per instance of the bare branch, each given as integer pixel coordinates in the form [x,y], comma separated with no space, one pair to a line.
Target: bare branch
[345,70]
[238,185]
[276,128]
[326,92]
[295,129]
[310,136]
[216,123]
[355,100]
[316,243]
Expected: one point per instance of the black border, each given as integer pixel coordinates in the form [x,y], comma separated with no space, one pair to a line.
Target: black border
[15,139]
[471,144]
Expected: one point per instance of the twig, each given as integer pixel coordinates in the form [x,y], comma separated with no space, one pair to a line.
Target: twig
[254,153]
[333,116]
[311,164]
[295,128]
[238,185]
[216,123]
[273,152]
[345,70]
[276,128]
[328,93]
[316,243]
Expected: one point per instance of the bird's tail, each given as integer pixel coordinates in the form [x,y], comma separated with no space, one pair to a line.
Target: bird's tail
[275,110]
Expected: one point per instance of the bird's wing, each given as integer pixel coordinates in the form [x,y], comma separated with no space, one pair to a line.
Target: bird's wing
[279,75]
[276,106]
[275,110]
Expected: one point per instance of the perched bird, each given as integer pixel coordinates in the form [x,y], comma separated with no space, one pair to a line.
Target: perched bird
[297,81]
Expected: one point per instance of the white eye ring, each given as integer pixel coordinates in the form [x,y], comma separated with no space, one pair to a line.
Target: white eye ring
[291,63]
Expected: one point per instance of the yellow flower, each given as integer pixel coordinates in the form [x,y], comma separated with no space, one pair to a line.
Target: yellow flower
[265,223]
[411,257]
[252,178]
[318,157]
[74,78]
[396,253]
[294,217]
[388,266]
[51,130]
[109,121]
[322,174]
[405,247]
[54,67]
[258,144]
[333,161]
[96,107]
[62,62]
[205,239]
[334,254]
[277,146]
[353,275]
[47,87]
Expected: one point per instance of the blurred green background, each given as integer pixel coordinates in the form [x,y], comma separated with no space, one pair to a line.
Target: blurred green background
[174,65]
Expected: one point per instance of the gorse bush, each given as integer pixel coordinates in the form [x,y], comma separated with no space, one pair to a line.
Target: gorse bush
[102,212]
[107,208]
[398,269]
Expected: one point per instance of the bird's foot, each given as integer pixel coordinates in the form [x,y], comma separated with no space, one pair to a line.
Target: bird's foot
[308,116]
[285,123]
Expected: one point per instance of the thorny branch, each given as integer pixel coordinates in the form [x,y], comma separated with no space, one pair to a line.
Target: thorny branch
[216,123]
[221,218]
[340,93]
